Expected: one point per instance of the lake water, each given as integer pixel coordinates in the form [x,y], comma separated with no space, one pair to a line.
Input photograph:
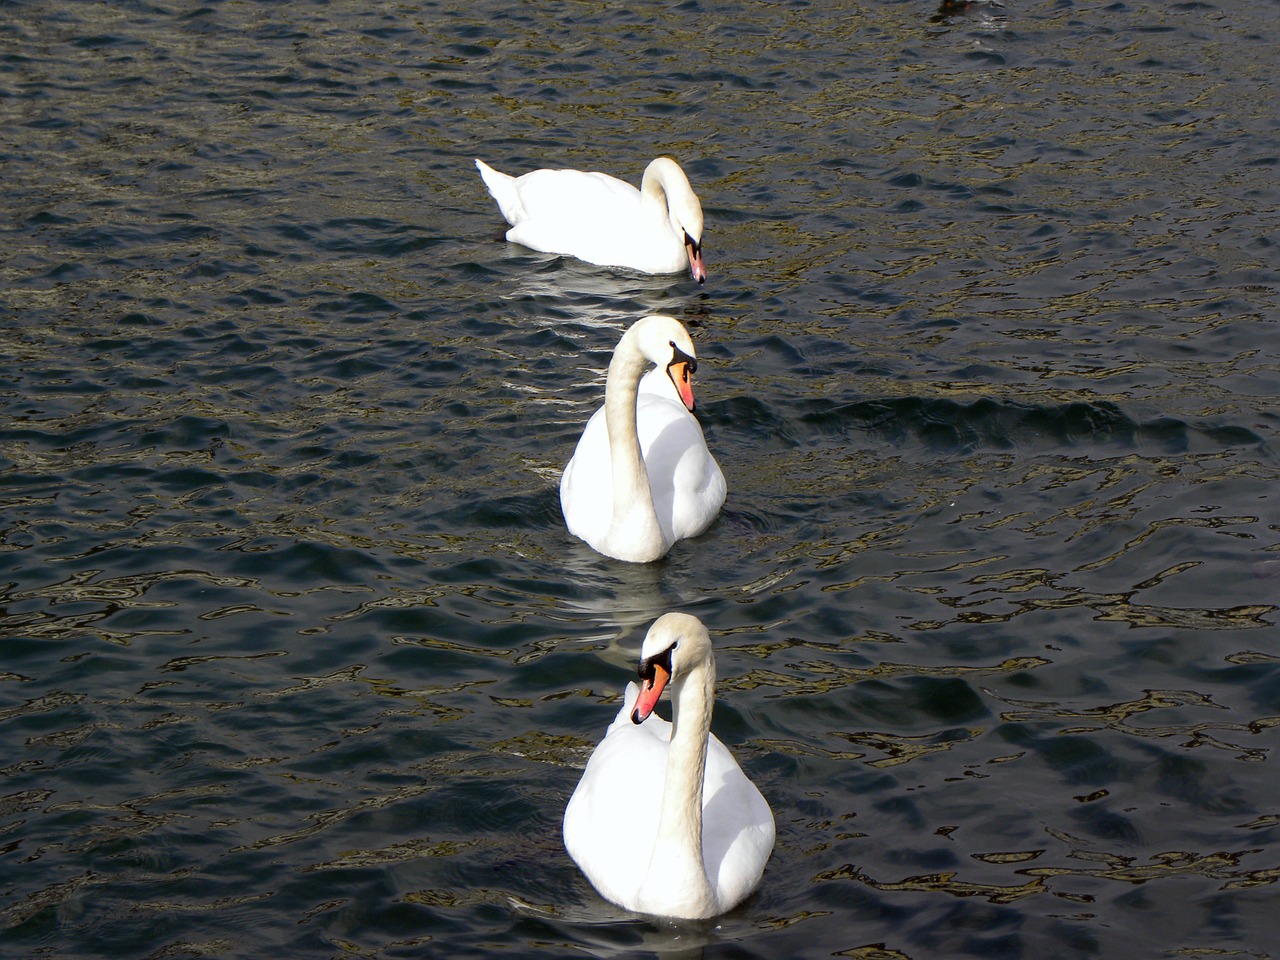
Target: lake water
[298,657]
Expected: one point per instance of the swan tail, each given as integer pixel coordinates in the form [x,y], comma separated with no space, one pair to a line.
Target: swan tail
[501,187]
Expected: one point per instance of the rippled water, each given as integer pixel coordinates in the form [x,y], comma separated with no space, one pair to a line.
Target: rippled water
[297,654]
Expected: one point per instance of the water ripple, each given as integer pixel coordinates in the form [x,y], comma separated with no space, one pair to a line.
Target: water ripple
[296,642]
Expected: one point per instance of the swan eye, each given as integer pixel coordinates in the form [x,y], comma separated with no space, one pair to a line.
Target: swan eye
[648,668]
[679,356]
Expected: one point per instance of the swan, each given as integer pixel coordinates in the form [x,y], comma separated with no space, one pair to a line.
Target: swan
[604,220]
[664,821]
[641,477]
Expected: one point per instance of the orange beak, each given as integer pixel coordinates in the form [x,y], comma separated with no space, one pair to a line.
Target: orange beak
[682,376]
[697,269]
[650,690]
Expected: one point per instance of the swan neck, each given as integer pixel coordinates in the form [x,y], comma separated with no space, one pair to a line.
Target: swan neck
[678,855]
[653,186]
[631,493]
[687,761]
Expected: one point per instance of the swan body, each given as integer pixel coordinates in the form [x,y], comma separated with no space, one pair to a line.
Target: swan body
[641,477]
[664,821]
[604,220]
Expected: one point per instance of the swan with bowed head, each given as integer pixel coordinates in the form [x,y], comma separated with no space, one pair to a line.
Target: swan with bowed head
[604,220]
[664,821]
[641,477]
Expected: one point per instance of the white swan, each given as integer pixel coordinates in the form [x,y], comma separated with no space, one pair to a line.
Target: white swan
[664,821]
[604,220]
[642,477]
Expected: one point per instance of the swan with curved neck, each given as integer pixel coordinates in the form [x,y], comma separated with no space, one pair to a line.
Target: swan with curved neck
[641,477]
[664,821]
[604,220]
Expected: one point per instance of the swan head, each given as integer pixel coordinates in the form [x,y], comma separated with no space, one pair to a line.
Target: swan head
[693,248]
[688,223]
[666,343]
[674,645]
[683,209]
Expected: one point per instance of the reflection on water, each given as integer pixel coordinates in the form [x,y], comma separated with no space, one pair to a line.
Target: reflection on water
[297,654]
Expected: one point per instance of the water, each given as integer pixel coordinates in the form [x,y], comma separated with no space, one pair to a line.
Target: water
[297,655]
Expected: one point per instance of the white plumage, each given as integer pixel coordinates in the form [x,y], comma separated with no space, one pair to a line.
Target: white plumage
[604,220]
[641,477]
[664,821]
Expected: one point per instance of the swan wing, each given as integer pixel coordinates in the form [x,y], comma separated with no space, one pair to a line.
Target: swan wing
[567,195]
[737,827]
[687,484]
[591,216]
[586,486]
[553,195]
[611,821]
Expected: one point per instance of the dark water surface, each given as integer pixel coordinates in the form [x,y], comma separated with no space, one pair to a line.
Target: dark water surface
[298,659]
